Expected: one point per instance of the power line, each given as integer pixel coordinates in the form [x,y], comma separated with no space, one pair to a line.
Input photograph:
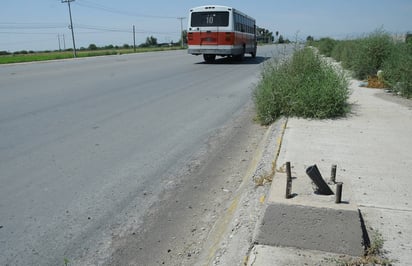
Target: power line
[14,42]
[106,29]
[31,27]
[32,23]
[39,26]
[90,27]
[92,5]
[26,33]
[98,29]
[50,29]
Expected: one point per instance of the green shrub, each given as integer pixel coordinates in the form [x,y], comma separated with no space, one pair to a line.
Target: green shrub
[302,86]
[337,52]
[326,46]
[364,56]
[397,69]
[346,52]
[377,51]
[371,53]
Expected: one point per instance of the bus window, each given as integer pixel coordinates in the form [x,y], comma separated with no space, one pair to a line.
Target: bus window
[210,19]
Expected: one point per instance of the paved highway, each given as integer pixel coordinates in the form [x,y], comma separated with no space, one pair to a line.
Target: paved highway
[87,145]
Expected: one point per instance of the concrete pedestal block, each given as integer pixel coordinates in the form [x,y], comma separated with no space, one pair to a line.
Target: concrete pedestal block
[315,228]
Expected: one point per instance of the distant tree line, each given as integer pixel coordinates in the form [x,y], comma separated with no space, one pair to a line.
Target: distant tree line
[16,53]
[265,36]
[150,42]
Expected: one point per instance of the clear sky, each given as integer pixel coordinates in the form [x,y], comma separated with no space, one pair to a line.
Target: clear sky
[36,24]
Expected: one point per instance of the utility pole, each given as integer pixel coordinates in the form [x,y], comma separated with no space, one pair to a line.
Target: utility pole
[181,30]
[71,25]
[58,39]
[134,39]
[64,43]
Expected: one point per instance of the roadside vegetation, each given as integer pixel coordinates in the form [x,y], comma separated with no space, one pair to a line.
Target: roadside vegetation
[305,85]
[302,85]
[378,51]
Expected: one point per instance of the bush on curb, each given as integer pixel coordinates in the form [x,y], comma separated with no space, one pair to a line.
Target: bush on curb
[301,86]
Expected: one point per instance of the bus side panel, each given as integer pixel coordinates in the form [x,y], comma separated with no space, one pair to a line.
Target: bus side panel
[245,39]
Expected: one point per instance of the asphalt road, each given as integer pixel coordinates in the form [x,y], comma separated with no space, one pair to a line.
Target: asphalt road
[87,145]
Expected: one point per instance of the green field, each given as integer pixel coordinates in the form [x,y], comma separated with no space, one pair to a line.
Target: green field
[45,56]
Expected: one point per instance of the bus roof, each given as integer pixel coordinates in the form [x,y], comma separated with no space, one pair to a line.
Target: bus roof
[217,8]
[210,7]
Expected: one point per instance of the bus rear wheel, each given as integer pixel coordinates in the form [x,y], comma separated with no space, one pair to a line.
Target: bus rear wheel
[209,58]
[254,51]
[241,56]
[253,54]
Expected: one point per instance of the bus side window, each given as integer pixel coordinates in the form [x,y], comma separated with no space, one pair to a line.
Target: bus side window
[237,24]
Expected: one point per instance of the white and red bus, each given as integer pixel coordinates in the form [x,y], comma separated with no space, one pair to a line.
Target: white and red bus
[222,31]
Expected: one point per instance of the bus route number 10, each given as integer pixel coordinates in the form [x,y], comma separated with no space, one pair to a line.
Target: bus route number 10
[209,19]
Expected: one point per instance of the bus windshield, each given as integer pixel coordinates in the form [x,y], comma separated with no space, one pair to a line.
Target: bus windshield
[210,19]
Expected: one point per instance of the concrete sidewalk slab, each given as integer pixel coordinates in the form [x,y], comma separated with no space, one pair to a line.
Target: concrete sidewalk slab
[372,148]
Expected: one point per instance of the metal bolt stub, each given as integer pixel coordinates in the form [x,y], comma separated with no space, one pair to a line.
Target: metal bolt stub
[333,173]
[288,181]
[338,198]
